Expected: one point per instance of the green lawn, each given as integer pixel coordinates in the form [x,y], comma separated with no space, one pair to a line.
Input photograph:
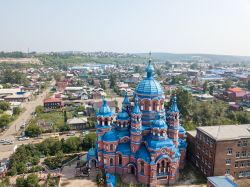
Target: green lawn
[56,118]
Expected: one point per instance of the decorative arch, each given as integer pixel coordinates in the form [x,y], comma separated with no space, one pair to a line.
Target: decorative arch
[163,165]
[92,162]
[111,161]
[132,168]
[155,104]
[119,159]
[147,105]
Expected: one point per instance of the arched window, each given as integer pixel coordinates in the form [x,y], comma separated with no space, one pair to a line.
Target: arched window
[158,168]
[111,162]
[155,106]
[162,166]
[120,159]
[111,147]
[142,167]
[106,122]
[147,105]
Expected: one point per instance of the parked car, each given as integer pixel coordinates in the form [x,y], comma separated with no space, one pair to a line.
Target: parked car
[71,134]
[9,142]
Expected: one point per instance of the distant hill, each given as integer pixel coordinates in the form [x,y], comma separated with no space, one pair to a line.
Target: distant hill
[196,57]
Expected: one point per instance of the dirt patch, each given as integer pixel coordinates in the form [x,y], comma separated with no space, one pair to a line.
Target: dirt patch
[20,60]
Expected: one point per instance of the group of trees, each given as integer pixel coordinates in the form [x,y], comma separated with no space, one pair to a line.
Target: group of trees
[200,113]
[27,157]
[33,130]
[32,180]
[5,119]
[13,77]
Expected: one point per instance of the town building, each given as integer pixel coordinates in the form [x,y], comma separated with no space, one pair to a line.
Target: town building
[145,141]
[221,150]
[77,123]
[52,103]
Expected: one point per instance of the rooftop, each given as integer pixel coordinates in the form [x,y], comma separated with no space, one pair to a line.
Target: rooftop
[226,132]
[220,181]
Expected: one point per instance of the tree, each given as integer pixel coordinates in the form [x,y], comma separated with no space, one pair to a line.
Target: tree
[103,85]
[89,140]
[4,120]
[20,182]
[184,102]
[205,87]
[33,130]
[21,168]
[17,110]
[228,83]
[211,89]
[32,180]
[5,182]
[4,105]
[194,66]
[72,144]
[112,79]
[39,109]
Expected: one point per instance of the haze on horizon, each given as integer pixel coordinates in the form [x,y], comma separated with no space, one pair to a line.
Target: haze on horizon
[192,26]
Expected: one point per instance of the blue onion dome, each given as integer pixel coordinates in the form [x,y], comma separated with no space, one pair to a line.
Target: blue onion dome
[110,136]
[123,115]
[92,152]
[182,130]
[149,85]
[136,109]
[126,99]
[174,107]
[105,110]
[160,122]
[182,144]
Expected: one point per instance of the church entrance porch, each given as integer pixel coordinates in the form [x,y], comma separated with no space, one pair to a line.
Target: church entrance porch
[132,169]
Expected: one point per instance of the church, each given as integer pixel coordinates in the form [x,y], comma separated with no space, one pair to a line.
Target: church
[144,139]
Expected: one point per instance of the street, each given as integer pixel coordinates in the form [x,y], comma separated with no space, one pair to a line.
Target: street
[10,133]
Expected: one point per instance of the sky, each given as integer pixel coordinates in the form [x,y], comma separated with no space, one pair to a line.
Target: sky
[131,26]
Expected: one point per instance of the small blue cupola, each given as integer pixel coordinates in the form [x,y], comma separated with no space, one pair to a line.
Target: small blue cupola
[123,115]
[174,107]
[122,119]
[136,109]
[105,115]
[126,99]
[105,110]
[160,122]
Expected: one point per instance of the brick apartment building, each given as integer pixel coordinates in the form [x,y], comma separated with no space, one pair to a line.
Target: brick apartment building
[221,150]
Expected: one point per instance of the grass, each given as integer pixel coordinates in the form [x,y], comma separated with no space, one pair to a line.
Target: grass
[56,118]
[190,174]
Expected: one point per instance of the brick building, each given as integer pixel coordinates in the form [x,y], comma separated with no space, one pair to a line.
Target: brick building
[221,150]
[52,103]
[144,141]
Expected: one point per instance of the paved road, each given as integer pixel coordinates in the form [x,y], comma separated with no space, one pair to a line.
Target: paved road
[10,133]
[26,115]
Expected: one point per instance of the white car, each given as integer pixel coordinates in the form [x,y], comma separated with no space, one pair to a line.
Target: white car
[8,142]
[21,139]
[3,140]
[71,134]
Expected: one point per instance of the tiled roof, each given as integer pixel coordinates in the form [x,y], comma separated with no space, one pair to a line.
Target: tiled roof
[51,100]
